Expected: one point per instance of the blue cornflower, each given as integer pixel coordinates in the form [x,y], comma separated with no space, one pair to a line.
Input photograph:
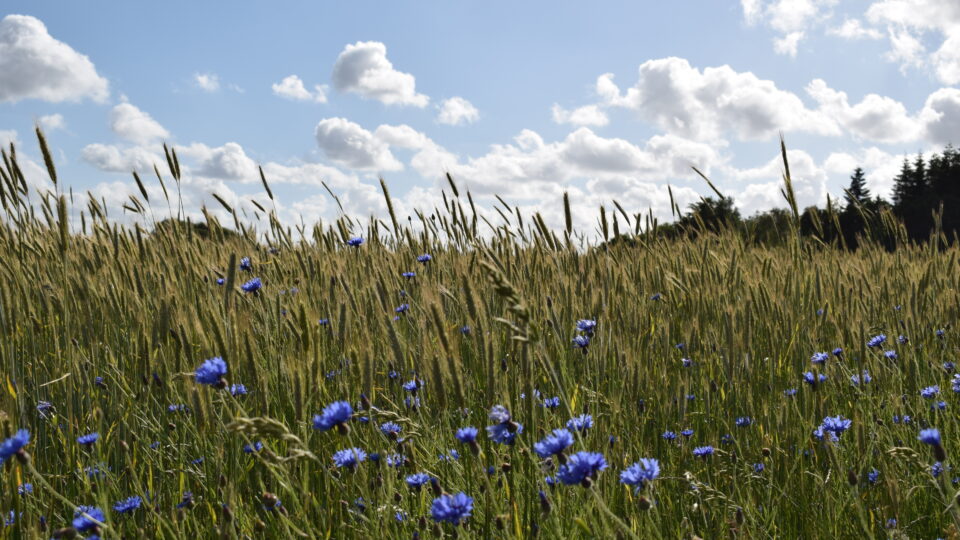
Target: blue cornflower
[390,429]
[554,443]
[902,339]
[726,439]
[425,258]
[253,285]
[14,445]
[402,308]
[686,362]
[580,467]
[587,326]
[690,397]
[955,383]
[221,281]
[838,352]
[417,480]
[810,379]
[940,333]
[703,451]
[790,392]
[669,435]
[238,390]
[25,489]
[504,433]
[324,322]
[465,330]
[857,379]
[127,506]
[687,433]
[412,386]
[499,414]
[88,439]
[409,275]
[245,264]
[949,366]
[758,467]
[930,436]
[581,342]
[551,403]
[656,296]
[936,469]
[86,518]
[467,434]
[395,460]
[744,421]
[355,241]
[336,414]
[176,408]
[836,424]
[451,508]
[876,340]
[641,472]
[186,501]
[819,358]
[211,371]
[198,461]
[873,476]
[349,457]
[98,381]
[891,354]
[930,392]
[580,423]
[253,448]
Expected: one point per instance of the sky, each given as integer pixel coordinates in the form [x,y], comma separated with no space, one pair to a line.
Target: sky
[526,100]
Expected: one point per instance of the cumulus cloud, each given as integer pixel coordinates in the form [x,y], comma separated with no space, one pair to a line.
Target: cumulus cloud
[112,158]
[588,115]
[456,111]
[349,145]
[363,68]
[876,118]
[790,18]
[52,122]
[37,66]
[854,29]
[764,183]
[135,125]
[208,82]
[8,136]
[879,166]
[704,105]
[291,87]
[941,116]
[910,22]
[227,162]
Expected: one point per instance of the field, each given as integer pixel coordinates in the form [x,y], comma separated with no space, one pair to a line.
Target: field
[107,329]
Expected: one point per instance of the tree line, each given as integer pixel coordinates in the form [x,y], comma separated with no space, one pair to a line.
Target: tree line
[925,201]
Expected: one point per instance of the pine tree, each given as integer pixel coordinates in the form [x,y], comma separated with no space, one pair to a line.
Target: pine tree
[857,193]
[903,186]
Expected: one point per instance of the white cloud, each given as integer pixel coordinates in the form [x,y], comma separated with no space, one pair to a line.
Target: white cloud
[684,101]
[456,111]
[765,182]
[910,22]
[112,158]
[349,145]
[789,18]
[52,122]
[876,118]
[853,29]
[588,115]
[228,162]
[363,68]
[208,82]
[788,44]
[37,66]
[135,125]
[880,168]
[8,136]
[941,116]
[291,87]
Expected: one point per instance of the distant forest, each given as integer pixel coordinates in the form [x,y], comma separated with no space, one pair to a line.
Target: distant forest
[926,201]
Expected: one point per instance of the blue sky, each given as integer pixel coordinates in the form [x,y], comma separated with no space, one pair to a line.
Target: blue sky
[610,101]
